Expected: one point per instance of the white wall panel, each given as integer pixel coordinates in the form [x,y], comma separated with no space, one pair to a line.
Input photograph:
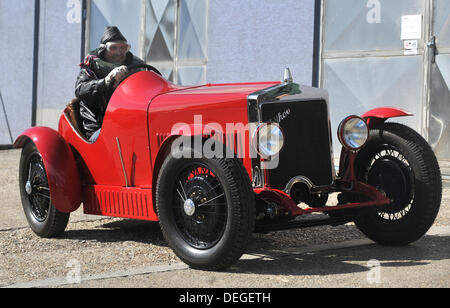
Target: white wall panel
[358,85]
[59,58]
[254,40]
[16,50]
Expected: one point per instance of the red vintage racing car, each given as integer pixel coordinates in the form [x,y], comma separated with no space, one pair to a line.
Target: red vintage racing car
[215,163]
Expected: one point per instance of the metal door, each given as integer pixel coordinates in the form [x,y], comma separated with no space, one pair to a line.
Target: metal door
[389,53]
[439,80]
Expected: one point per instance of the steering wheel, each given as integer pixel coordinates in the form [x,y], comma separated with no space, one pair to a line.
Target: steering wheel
[133,69]
[143,65]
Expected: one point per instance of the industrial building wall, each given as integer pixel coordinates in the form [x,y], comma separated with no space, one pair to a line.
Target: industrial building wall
[251,40]
[59,58]
[16,49]
[254,40]
[380,53]
[59,53]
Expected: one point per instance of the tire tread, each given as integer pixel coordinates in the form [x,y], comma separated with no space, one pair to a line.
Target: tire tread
[427,180]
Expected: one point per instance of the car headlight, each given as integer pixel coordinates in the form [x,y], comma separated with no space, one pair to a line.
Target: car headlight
[353,132]
[270,139]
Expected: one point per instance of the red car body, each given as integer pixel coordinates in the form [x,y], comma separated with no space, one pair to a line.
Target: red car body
[209,206]
[141,115]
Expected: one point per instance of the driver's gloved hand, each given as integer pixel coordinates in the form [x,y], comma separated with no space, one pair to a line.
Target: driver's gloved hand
[116,75]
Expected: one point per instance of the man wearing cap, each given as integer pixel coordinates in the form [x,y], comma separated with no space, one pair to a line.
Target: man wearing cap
[101,72]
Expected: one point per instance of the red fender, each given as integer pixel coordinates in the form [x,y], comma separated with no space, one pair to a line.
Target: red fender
[380,115]
[62,172]
[186,130]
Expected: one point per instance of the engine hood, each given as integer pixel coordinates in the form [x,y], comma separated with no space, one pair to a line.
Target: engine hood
[207,98]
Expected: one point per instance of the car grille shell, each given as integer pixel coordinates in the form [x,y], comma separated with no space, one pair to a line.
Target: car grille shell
[307,148]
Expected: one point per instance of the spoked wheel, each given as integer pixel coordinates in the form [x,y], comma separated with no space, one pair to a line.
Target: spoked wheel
[44,219]
[206,209]
[200,209]
[391,173]
[37,188]
[400,163]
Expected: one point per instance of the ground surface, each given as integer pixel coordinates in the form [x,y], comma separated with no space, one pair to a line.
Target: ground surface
[111,252]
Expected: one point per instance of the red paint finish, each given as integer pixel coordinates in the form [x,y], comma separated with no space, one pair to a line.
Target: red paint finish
[125,119]
[386,112]
[134,203]
[380,115]
[291,208]
[210,106]
[60,166]
[141,114]
[280,197]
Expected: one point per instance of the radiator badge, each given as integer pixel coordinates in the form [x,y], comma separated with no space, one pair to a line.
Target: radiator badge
[280,116]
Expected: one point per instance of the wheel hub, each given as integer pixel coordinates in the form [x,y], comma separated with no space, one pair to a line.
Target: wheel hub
[36,188]
[201,216]
[189,207]
[392,177]
[28,188]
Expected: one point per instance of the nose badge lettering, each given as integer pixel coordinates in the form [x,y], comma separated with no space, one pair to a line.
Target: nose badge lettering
[280,116]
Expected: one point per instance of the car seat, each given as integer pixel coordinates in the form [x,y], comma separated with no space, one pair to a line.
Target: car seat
[72,112]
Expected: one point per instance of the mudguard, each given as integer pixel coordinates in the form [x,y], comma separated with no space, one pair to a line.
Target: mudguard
[60,166]
[380,115]
[187,130]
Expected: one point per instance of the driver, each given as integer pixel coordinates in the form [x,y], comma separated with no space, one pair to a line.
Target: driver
[101,72]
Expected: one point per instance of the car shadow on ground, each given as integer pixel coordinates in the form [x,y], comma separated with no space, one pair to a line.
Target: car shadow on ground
[146,232]
[273,260]
[149,232]
[345,260]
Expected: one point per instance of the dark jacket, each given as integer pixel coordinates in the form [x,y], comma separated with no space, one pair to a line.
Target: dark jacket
[92,91]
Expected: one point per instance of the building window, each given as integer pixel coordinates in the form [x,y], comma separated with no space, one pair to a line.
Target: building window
[168,34]
[122,13]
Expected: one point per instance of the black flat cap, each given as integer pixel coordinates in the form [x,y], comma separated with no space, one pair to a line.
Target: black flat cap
[112,34]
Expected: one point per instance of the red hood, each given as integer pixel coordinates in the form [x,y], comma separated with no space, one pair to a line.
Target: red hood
[233,89]
[145,86]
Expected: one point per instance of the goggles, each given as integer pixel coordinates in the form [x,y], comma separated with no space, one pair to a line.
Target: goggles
[117,47]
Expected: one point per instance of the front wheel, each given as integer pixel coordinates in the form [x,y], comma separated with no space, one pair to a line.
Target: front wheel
[399,162]
[206,209]
[43,218]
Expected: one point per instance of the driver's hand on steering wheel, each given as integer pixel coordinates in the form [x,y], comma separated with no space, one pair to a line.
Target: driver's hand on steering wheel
[116,75]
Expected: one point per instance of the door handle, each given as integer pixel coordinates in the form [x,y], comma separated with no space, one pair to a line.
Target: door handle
[432,46]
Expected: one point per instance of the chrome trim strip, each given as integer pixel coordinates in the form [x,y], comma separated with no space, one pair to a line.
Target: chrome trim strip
[311,94]
[254,100]
[269,94]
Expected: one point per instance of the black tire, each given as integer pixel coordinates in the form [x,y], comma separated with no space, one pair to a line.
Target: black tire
[398,161]
[43,218]
[216,234]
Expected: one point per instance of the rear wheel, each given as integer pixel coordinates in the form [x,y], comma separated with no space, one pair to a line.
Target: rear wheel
[44,219]
[399,162]
[206,209]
